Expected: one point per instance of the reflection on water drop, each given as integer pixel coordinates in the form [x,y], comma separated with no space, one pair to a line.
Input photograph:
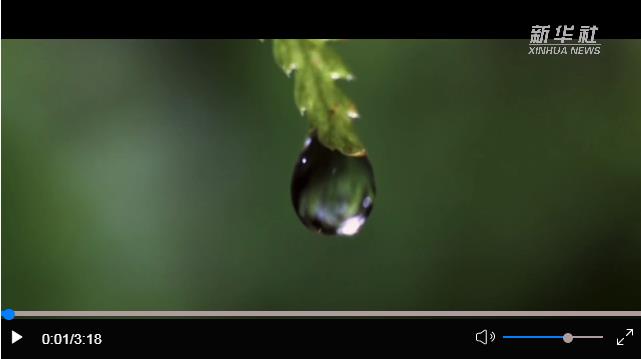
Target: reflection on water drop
[332,193]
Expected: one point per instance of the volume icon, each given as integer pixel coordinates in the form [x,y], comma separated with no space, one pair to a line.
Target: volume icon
[483,336]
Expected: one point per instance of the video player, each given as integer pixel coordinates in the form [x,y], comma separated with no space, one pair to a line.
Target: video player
[465,189]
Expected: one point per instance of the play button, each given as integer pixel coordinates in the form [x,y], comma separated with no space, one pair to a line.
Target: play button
[15,337]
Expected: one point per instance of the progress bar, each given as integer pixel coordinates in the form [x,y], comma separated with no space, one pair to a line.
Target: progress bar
[317,313]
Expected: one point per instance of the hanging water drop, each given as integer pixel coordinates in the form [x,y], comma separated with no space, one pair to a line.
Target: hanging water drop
[332,193]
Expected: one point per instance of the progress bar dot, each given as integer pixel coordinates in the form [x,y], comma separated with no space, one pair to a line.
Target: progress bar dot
[567,337]
[8,314]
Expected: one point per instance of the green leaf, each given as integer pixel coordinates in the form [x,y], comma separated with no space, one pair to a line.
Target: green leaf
[330,112]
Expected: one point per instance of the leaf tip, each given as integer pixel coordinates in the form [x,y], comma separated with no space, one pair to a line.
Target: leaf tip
[353,114]
[289,69]
[335,75]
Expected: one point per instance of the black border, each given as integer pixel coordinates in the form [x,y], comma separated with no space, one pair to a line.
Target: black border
[327,19]
[378,337]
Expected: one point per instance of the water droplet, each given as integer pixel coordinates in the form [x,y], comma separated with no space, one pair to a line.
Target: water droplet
[332,193]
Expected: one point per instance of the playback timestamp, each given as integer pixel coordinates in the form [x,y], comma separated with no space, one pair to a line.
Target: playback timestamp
[73,338]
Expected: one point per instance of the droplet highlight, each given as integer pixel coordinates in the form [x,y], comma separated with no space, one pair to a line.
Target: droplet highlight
[332,193]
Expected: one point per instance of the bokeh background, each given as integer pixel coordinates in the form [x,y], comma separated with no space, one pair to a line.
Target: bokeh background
[155,175]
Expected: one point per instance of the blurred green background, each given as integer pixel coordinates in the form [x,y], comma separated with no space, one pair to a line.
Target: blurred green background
[155,175]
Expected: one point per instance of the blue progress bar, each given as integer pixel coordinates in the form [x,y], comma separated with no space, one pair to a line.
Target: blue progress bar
[532,337]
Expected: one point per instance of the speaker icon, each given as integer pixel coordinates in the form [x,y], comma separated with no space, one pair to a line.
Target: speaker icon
[483,336]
